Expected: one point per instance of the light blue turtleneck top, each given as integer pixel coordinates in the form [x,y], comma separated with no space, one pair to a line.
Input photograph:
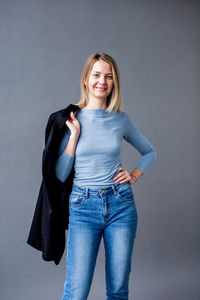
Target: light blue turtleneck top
[98,149]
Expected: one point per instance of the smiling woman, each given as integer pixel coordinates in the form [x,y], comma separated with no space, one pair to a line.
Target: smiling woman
[100,82]
[101,74]
[102,202]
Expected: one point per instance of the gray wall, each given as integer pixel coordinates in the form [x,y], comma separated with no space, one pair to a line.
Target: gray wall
[44,45]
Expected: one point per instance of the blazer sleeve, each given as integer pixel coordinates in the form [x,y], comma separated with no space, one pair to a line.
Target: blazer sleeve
[49,126]
[35,237]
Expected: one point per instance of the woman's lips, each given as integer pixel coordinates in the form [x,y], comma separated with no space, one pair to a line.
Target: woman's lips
[101,89]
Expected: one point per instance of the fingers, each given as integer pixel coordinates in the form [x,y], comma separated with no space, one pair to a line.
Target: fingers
[70,121]
[123,174]
[72,115]
[119,169]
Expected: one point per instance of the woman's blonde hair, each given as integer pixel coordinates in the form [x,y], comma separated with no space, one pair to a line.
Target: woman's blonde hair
[114,100]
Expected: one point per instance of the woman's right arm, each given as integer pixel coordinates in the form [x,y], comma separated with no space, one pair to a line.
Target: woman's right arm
[66,157]
[67,149]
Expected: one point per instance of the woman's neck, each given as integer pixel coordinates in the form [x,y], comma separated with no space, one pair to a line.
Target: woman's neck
[95,105]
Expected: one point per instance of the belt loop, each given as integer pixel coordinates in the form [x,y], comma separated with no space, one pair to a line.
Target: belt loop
[114,189]
[86,193]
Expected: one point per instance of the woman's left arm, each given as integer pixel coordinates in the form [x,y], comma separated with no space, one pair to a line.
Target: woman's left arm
[142,144]
[133,136]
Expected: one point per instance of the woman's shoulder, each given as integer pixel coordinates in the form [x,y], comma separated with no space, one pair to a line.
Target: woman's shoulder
[124,115]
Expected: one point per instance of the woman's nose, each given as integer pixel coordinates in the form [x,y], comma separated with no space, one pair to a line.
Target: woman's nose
[102,79]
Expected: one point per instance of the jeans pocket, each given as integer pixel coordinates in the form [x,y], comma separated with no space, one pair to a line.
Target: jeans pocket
[76,199]
[125,192]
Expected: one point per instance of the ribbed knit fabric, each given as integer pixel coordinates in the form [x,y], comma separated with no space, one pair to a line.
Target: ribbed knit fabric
[98,150]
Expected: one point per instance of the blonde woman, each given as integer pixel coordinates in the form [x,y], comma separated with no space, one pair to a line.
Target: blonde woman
[101,203]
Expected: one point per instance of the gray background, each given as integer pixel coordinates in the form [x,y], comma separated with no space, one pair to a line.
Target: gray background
[44,45]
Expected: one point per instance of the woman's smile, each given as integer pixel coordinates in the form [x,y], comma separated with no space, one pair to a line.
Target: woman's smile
[100,89]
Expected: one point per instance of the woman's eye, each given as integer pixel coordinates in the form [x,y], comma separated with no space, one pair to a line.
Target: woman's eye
[108,76]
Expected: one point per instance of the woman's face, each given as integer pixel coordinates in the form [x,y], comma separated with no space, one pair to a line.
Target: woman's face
[100,81]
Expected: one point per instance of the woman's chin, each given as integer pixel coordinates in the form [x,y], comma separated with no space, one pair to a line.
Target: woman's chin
[100,95]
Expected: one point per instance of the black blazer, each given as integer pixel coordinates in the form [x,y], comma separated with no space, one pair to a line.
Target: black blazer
[51,216]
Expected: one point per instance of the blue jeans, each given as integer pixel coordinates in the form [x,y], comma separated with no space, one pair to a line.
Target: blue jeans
[109,212]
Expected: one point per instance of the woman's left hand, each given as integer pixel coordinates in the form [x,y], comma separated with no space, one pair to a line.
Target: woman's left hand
[123,176]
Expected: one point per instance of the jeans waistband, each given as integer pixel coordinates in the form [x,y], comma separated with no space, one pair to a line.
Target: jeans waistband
[113,187]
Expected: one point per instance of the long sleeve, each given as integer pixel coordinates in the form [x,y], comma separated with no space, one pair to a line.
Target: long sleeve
[133,136]
[64,162]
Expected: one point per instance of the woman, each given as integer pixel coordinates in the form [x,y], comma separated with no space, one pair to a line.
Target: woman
[101,203]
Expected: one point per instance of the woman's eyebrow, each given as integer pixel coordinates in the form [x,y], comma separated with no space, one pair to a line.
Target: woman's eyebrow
[100,72]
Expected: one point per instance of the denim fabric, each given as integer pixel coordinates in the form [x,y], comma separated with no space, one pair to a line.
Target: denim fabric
[109,212]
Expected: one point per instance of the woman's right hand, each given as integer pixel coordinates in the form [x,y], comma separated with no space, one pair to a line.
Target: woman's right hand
[73,124]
